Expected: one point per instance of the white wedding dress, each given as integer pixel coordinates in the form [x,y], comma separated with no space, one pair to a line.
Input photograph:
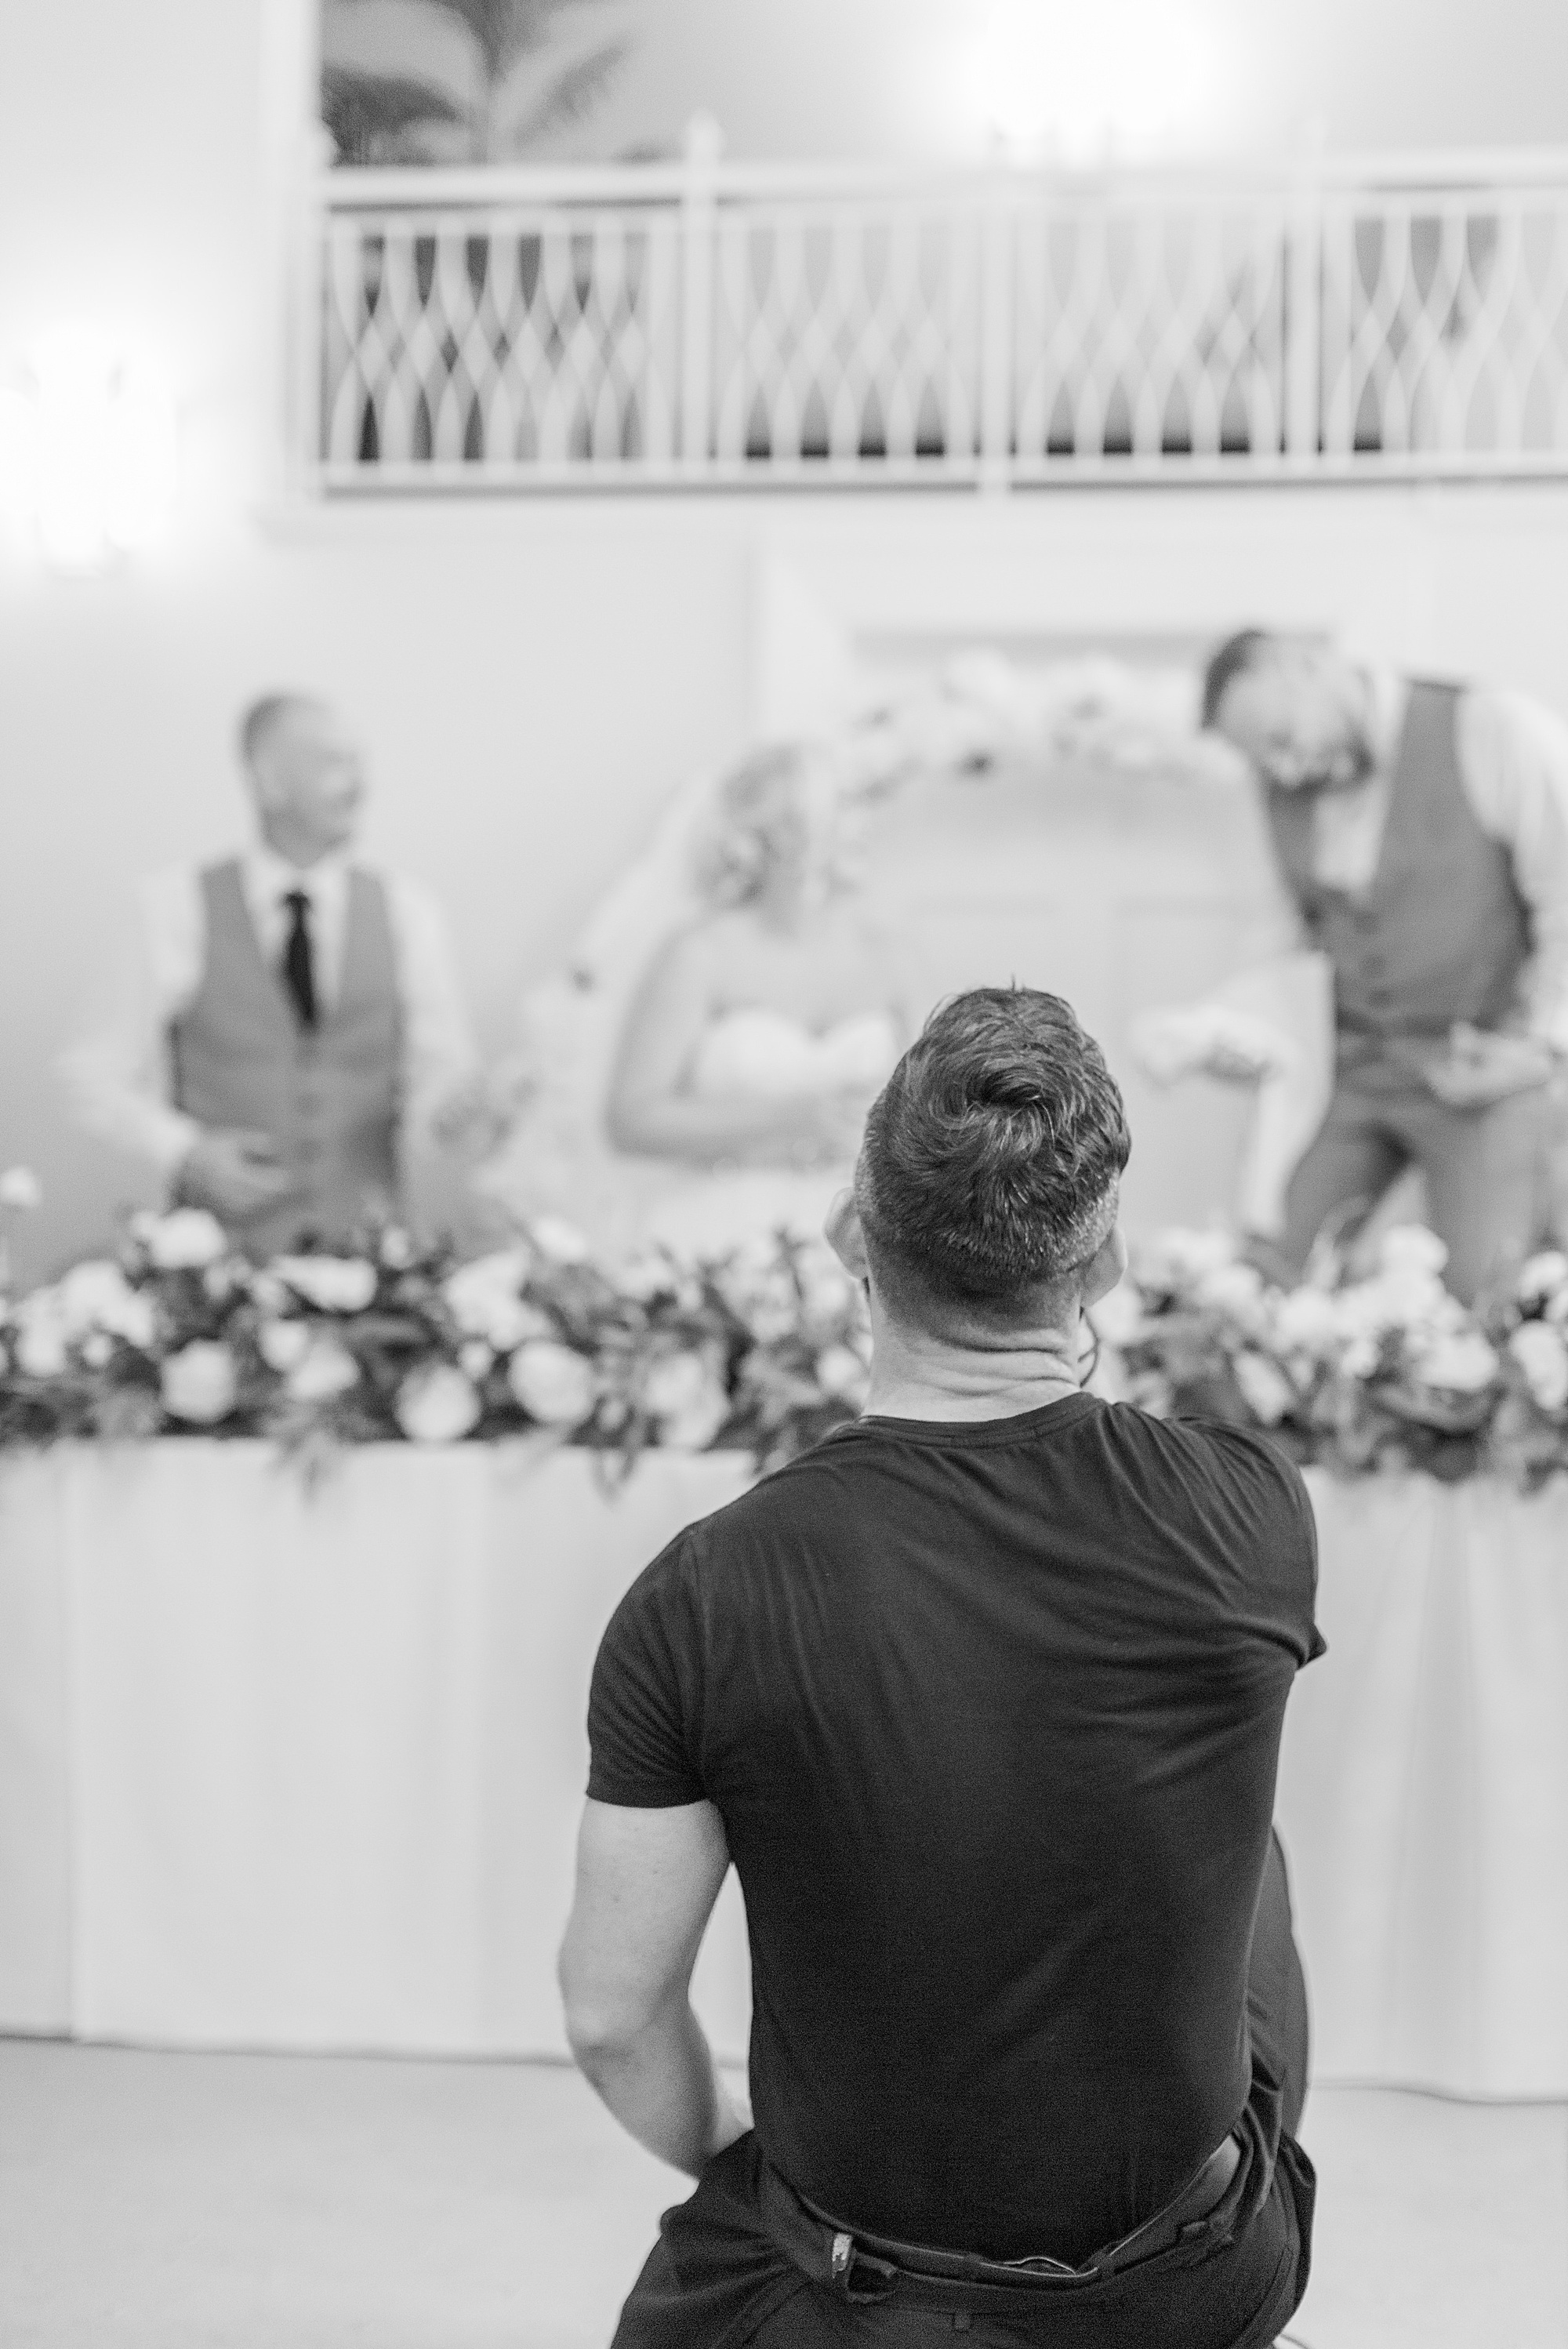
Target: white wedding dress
[761,1054]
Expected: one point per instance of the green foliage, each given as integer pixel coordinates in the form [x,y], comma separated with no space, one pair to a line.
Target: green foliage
[319,1353]
[377,118]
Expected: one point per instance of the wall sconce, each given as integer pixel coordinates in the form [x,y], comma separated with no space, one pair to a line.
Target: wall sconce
[88,452]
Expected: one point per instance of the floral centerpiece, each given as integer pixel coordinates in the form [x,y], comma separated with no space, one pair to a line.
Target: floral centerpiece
[765,1351]
[175,1331]
[1377,1374]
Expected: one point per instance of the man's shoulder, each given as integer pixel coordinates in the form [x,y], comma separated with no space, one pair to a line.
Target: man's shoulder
[1204,1457]
[709,1554]
[1501,717]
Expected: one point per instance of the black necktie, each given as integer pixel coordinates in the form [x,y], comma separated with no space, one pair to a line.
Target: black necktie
[297,966]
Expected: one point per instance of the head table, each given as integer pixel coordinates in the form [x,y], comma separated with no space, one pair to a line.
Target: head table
[293,1769]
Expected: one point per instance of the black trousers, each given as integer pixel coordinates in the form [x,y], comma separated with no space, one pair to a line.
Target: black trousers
[717,2280]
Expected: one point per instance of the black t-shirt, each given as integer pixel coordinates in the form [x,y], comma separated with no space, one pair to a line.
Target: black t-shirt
[991,1712]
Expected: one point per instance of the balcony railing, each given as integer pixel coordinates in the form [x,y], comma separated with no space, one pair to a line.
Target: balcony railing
[694,325]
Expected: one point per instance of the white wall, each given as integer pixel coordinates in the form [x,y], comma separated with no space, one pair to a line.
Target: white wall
[529,678]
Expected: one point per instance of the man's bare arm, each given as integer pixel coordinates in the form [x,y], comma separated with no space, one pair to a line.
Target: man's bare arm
[646,1883]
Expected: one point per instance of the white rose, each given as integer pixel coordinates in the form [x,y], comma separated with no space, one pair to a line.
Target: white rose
[1401,1300]
[513,1322]
[675,1383]
[1461,1361]
[438,1404]
[97,1349]
[1543,1276]
[1268,1393]
[476,1360]
[20,1189]
[841,1373]
[325,1369]
[186,1241]
[332,1284]
[198,1383]
[1306,1319]
[41,1346]
[1175,1259]
[97,1296]
[1234,1288]
[694,1429]
[559,1240]
[765,1298]
[553,1383]
[284,1345]
[1411,1248]
[484,1301]
[641,1279]
[89,1292]
[1543,1356]
[1415,1294]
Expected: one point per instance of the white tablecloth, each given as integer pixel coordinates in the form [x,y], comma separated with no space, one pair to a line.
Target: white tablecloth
[291,1771]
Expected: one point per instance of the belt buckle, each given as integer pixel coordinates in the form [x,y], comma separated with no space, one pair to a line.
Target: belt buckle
[846,2263]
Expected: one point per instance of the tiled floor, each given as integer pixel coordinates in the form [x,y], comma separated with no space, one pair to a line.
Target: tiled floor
[155,2201]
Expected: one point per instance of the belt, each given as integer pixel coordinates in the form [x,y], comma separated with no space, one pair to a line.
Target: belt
[863,2266]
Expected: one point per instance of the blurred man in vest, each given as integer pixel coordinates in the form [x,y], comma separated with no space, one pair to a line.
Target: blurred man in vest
[1421,831]
[287,1014]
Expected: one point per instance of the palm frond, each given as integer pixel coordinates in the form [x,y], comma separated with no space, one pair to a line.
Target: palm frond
[573,93]
[367,114]
[506,31]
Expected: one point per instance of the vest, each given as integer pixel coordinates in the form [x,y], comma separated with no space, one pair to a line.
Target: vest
[1441,933]
[328,1100]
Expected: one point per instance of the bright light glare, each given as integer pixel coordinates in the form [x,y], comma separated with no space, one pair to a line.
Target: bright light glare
[1087,81]
[87,455]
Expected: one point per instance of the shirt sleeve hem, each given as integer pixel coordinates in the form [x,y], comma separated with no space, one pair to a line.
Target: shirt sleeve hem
[627,1796]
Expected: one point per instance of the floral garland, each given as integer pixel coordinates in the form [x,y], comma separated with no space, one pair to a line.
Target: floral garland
[763,1352]
[176,1333]
[1377,1375]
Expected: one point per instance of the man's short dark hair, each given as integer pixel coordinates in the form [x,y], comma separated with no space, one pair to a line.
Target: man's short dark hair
[990,1157]
[262,715]
[1247,649]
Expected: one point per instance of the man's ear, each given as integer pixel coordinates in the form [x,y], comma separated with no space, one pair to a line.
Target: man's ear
[845,1236]
[1105,1267]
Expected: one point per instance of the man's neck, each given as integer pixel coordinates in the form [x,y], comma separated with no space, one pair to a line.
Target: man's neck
[303,852]
[978,1378]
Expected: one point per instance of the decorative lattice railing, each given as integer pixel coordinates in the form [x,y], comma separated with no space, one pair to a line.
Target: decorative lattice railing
[680,325]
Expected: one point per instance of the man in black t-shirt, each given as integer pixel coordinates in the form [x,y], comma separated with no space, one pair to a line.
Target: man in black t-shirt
[982,1697]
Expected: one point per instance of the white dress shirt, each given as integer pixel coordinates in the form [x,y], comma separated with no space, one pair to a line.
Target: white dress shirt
[118,1075]
[1513,757]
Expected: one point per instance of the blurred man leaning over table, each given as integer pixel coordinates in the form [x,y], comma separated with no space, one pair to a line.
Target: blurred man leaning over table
[287,1018]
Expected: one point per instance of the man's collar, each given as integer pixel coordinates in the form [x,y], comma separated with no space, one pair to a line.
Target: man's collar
[272,876]
[1391,698]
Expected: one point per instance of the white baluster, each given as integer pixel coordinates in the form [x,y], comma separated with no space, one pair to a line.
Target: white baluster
[699,211]
[1304,321]
[997,304]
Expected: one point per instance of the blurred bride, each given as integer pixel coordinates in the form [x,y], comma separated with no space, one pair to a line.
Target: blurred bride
[764,1028]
